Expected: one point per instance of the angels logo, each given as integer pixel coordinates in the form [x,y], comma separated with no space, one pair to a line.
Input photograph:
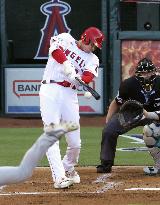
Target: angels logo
[55,23]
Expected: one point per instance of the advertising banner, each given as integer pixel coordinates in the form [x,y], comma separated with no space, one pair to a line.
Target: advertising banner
[22,87]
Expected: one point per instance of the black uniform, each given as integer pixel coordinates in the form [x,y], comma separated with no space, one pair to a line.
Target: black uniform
[130,88]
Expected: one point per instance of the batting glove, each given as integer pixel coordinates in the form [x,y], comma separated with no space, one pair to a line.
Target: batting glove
[69,69]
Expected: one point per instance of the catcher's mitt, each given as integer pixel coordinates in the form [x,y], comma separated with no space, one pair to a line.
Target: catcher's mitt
[130,113]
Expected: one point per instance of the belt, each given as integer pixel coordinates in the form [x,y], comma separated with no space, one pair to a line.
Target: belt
[64,83]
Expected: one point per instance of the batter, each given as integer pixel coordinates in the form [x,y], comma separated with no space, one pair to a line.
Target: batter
[68,58]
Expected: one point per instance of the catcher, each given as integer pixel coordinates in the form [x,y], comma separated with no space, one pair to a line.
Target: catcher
[143,87]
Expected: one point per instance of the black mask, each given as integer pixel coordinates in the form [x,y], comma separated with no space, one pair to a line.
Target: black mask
[147,83]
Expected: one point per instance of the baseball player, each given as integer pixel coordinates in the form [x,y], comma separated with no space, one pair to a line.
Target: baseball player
[144,87]
[52,133]
[68,58]
[151,136]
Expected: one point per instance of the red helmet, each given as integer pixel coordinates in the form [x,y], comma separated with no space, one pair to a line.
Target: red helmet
[94,35]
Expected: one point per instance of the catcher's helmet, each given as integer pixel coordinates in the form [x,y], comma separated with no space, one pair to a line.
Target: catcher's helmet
[145,66]
[94,35]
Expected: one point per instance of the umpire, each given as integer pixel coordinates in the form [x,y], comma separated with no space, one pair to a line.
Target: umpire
[144,87]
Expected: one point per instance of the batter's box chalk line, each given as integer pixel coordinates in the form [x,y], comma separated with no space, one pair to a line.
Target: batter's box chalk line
[143,189]
[47,193]
[102,179]
[108,186]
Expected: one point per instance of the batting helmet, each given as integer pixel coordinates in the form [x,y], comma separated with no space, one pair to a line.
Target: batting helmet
[94,35]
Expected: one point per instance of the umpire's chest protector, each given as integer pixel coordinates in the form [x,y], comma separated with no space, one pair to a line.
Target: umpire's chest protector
[131,89]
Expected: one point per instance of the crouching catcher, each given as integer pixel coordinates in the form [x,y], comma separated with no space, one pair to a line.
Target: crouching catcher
[144,87]
[151,136]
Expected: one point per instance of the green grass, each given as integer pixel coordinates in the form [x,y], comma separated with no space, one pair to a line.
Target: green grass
[14,142]
[132,158]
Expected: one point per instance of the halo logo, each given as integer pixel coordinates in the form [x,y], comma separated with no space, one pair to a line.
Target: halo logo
[55,23]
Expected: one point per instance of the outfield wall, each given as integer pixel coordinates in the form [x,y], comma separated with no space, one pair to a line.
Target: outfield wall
[21,88]
[26,30]
[131,34]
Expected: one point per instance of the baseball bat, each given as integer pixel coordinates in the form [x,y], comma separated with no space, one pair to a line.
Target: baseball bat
[89,89]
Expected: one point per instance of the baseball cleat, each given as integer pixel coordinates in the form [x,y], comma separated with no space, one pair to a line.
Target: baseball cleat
[69,126]
[73,175]
[63,183]
[61,128]
[151,170]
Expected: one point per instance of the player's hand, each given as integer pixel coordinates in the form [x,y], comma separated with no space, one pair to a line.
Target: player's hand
[145,113]
[72,77]
[150,115]
[70,72]
[69,69]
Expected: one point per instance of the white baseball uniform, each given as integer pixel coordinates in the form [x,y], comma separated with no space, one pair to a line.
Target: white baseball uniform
[61,103]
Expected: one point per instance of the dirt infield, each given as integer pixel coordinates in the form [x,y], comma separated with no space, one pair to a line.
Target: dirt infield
[124,186]
[94,189]
[36,122]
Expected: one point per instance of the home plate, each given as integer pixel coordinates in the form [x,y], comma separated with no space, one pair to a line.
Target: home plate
[143,189]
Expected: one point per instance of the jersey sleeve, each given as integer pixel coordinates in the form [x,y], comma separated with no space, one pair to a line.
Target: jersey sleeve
[60,41]
[122,94]
[92,65]
[59,56]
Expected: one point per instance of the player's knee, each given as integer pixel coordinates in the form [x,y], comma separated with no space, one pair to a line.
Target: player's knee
[151,135]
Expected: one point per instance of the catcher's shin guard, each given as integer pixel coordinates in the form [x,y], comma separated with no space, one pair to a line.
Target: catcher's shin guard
[155,153]
[153,170]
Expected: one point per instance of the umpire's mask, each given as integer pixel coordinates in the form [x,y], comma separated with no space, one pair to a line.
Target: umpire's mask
[146,73]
